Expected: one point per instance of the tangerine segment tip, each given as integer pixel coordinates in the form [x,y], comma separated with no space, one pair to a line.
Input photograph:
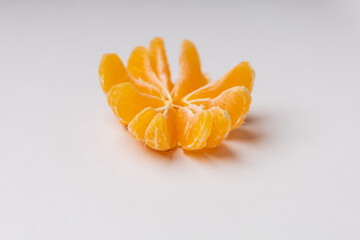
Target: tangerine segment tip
[139,67]
[241,75]
[112,71]
[159,62]
[191,77]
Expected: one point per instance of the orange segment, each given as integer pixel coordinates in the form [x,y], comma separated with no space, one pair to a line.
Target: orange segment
[236,101]
[161,134]
[191,77]
[140,123]
[127,102]
[221,124]
[112,71]
[146,88]
[193,128]
[241,75]
[140,68]
[159,63]
[112,96]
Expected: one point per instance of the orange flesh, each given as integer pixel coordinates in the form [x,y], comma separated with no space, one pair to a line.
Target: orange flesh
[241,75]
[191,77]
[194,129]
[138,125]
[189,113]
[160,134]
[127,102]
[139,67]
[112,71]
[159,62]
[221,124]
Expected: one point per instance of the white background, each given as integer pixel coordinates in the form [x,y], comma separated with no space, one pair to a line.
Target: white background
[69,170]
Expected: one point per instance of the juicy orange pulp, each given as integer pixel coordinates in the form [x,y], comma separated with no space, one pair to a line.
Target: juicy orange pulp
[192,113]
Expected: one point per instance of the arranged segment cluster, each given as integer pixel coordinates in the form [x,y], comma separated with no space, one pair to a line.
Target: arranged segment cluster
[191,113]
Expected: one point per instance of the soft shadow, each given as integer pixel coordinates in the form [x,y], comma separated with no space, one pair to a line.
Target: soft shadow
[253,119]
[250,131]
[221,152]
[245,135]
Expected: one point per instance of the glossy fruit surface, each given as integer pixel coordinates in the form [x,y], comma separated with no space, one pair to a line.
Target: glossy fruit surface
[191,113]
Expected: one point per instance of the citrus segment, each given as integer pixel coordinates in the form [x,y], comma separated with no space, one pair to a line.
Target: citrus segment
[241,75]
[140,68]
[236,101]
[127,102]
[146,88]
[112,96]
[159,63]
[193,128]
[140,123]
[221,124]
[112,71]
[191,77]
[160,134]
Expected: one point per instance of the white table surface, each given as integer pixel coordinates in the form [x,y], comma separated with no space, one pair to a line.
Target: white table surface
[69,170]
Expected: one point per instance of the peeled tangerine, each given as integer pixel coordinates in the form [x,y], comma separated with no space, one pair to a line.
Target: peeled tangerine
[191,113]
